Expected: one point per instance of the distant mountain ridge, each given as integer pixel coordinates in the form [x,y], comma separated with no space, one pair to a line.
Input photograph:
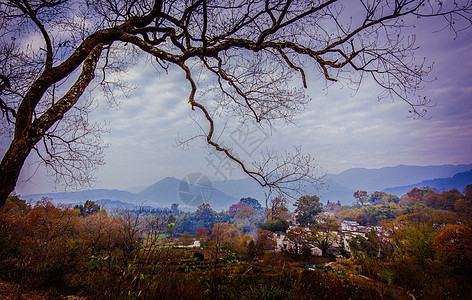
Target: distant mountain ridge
[163,193]
[373,180]
[82,196]
[458,181]
[338,187]
[167,191]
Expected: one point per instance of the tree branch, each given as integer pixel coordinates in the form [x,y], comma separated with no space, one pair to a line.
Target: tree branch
[57,111]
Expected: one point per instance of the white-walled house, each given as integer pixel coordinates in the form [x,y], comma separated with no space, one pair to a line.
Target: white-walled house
[349,229]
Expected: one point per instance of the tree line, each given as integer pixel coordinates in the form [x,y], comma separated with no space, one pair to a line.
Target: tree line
[92,251]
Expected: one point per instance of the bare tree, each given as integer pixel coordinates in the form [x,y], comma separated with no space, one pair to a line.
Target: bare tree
[256,51]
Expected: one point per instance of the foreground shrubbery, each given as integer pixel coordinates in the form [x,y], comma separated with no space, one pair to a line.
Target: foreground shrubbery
[98,254]
[433,260]
[124,255]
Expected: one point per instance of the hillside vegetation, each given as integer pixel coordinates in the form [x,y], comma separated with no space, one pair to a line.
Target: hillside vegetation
[417,245]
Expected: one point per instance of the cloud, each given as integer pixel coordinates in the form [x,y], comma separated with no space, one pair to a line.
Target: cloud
[340,129]
[344,131]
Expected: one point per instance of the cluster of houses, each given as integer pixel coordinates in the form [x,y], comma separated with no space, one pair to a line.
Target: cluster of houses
[348,230]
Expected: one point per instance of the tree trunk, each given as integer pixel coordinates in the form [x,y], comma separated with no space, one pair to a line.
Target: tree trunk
[11,165]
[28,133]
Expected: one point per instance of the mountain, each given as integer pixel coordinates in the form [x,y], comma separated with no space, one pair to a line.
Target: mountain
[110,204]
[373,180]
[136,189]
[82,196]
[334,192]
[222,194]
[160,194]
[248,187]
[241,188]
[458,181]
[163,192]
[171,190]
[341,187]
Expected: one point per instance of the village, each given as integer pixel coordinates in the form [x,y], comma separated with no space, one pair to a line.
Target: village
[342,236]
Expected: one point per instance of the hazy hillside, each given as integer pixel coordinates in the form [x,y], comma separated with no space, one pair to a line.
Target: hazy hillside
[340,187]
[109,204]
[136,189]
[166,191]
[458,181]
[241,188]
[334,192]
[248,187]
[82,196]
[163,192]
[379,179]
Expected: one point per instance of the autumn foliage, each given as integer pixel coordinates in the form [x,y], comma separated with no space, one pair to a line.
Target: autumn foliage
[453,244]
[45,246]
[120,254]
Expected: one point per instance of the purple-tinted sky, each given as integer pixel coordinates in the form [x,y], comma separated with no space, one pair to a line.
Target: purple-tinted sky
[340,129]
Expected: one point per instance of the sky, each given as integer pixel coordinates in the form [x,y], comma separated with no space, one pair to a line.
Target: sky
[341,129]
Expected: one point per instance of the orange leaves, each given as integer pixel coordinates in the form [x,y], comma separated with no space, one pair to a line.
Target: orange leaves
[453,244]
[201,232]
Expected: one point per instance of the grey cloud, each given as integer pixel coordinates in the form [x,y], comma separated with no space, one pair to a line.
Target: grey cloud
[339,130]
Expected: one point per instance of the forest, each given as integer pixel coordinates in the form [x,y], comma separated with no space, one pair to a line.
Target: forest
[418,245]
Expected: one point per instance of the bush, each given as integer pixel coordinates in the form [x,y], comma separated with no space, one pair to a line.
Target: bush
[277,225]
